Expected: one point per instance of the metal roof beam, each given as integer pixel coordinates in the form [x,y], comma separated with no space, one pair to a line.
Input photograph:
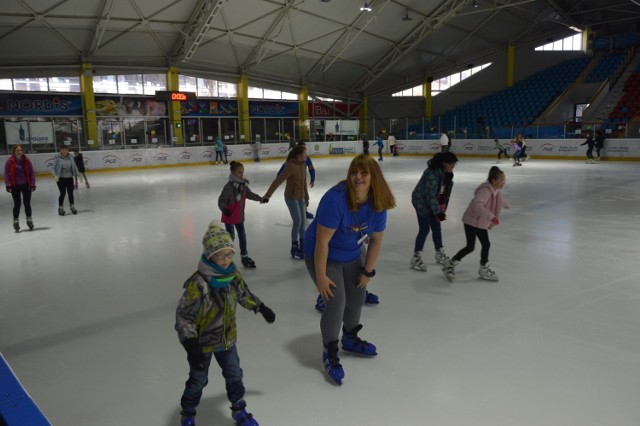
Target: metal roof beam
[444,13]
[200,22]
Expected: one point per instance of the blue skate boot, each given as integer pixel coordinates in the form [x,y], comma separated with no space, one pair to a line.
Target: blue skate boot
[240,415]
[187,419]
[371,299]
[352,343]
[320,304]
[331,362]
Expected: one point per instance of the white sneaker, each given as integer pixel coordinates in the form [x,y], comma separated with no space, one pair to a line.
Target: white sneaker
[417,263]
[487,274]
[449,269]
[441,256]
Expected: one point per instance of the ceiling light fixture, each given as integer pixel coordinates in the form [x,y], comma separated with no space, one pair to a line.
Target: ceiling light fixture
[475,4]
[406,16]
[365,8]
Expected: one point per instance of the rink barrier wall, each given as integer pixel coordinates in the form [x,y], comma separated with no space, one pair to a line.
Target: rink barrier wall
[559,149]
[16,406]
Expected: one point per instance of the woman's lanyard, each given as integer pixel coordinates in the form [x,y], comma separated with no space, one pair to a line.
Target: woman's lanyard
[364,237]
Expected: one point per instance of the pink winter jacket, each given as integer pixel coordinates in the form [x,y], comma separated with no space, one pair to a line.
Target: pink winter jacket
[486,204]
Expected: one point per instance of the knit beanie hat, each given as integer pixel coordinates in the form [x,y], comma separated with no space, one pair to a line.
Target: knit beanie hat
[216,239]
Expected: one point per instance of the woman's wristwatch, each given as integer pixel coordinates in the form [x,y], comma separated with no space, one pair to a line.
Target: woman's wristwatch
[367,274]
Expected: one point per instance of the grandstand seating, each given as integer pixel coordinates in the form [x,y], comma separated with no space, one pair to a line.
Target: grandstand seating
[605,68]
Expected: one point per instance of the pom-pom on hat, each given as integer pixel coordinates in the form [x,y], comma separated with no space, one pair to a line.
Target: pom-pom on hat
[216,239]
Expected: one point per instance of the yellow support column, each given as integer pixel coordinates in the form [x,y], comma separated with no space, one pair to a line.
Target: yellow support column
[364,115]
[511,59]
[243,110]
[175,115]
[426,93]
[88,105]
[303,113]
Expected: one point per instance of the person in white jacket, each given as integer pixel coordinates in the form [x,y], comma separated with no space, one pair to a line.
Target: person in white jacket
[482,214]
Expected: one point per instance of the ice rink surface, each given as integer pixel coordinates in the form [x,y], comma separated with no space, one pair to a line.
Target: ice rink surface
[87,304]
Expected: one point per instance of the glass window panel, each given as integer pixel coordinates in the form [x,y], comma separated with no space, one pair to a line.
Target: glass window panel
[130,84]
[455,79]
[557,45]
[567,43]
[154,82]
[6,84]
[105,84]
[577,41]
[227,90]
[64,84]
[407,92]
[31,84]
[289,96]
[207,87]
[418,90]
[467,73]
[272,94]
[255,93]
[187,84]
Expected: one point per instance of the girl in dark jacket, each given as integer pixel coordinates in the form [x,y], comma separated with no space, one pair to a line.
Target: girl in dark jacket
[430,198]
[20,181]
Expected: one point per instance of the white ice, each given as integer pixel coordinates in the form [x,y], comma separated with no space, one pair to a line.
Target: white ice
[87,304]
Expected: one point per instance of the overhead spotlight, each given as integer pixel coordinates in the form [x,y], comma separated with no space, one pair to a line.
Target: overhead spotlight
[406,16]
[475,4]
[366,7]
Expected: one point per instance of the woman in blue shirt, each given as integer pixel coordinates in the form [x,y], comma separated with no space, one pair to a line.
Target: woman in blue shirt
[351,214]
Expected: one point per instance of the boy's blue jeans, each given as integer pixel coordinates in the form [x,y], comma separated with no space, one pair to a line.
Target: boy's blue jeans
[231,371]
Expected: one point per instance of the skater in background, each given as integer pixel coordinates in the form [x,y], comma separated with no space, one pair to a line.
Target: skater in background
[20,182]
[292,143]
[599,142]
[365,144]
[351,214]
[482,214]
[522,141]
[312,173]
[64,173]
[517,152]
[501,150]
[296,195]
[393,144]
[444,141]
[225,152]
[206,324]
[590,144]
[232,201]
[257,147]
[429,199]
[219,147]
[79,160]
[380,144]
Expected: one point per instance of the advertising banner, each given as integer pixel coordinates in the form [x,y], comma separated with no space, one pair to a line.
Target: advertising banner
[273,109]
[129,106]
[342,127]
[41,105]
[29,132]
[209,107]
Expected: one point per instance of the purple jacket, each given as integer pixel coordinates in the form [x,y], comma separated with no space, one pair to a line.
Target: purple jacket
[486,204]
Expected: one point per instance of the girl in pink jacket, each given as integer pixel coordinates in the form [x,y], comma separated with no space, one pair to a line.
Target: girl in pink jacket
[232,201]
[482,214]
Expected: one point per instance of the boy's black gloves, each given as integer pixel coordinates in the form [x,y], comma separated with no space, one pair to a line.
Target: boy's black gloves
[267,313]
[442,216]
[195,357]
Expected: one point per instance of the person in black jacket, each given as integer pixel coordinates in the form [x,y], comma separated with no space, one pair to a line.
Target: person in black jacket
[590,143]
[599,143]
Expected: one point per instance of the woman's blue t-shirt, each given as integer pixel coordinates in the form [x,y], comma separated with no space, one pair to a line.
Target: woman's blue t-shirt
[350,227]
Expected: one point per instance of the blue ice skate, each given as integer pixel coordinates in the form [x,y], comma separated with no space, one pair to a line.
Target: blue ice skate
[371,299]
[352,343]
[331,362]
[187,419]
[240,415]
[320,304]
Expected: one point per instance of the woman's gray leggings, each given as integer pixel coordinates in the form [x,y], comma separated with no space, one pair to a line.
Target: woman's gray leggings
[345,306]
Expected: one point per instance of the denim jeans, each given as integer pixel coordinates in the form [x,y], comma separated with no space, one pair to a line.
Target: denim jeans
[298,212]
[231,371]
[424,224]
[242,236]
